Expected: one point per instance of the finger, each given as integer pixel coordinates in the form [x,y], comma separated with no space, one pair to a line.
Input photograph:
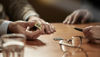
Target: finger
[65,21]
[34,37]
[89,35]
[75,18]
[42,29]
[47,28]
[86,32]
[53,28]
[87,29]
[85,18]
[43,25]
[31,34]
[70,19]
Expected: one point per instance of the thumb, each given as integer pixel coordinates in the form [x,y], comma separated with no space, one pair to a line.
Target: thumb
[87,29]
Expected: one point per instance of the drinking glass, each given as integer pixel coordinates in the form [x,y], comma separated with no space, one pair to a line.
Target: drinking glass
[12,45]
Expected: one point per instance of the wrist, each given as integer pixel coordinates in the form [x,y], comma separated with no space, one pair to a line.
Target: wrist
[10,27]
[32,17]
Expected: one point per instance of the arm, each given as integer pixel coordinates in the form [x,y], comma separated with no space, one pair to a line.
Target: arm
[21,9]
[18,9]
[19,27]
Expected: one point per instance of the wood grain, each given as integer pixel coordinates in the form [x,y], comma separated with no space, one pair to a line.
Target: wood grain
[45,46]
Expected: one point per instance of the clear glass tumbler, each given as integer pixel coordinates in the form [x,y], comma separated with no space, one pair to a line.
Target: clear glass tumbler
[12,45]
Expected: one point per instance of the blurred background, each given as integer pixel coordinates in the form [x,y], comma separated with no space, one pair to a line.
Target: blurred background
[54,10]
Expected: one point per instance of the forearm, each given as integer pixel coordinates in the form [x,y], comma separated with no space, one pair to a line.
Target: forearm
[18,9]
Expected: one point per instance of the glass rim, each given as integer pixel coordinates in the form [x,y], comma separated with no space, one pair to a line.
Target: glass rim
[13,36]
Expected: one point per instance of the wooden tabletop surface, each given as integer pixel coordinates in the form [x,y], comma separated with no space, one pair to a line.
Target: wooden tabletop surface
[45,46]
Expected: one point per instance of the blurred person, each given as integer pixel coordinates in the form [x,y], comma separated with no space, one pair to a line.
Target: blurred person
[92,33]
[22,10]
[90,11]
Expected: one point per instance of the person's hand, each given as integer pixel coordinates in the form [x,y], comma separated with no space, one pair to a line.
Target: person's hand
[47,27]
[92,33]
[78,16]
[21,28]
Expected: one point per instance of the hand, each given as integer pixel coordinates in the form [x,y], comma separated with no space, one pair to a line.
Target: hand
[21,27]
[78,16]
[92,32]
[47,27]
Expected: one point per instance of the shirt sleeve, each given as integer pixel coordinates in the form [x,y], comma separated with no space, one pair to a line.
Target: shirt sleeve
[30,13]
[18,9]
[4,27]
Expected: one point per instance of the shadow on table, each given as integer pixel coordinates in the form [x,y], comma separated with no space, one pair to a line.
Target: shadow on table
[95,45]
[35,42]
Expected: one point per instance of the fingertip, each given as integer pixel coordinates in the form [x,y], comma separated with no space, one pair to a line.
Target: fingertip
[64,22]
[68,22]
[85,30]
[73,22]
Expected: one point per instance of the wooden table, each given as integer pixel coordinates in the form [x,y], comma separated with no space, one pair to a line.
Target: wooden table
[45,46]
